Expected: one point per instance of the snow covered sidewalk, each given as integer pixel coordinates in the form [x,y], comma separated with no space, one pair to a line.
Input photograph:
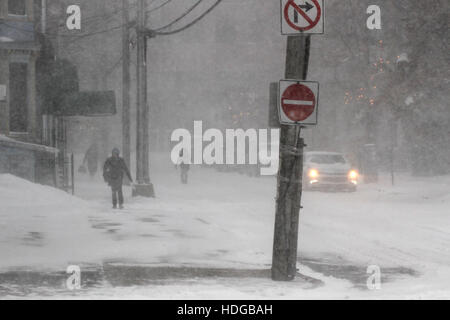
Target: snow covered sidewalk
[225,220]
[42,227]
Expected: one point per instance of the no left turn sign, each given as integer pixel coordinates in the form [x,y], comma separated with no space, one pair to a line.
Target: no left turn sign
[302,16]
[299,102]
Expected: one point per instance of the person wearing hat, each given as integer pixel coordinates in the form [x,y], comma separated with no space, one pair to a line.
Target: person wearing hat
[113,171]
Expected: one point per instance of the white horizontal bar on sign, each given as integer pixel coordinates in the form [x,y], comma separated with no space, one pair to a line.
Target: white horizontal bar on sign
[299,102]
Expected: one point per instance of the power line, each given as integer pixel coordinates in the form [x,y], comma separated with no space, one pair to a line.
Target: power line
[166,33]
[93,33]
[156,32]
[90,19]
[158,7]
[93,18]
[151,2]
[181,17]
[114,66]
[112,14]
[108,16]
[65,35]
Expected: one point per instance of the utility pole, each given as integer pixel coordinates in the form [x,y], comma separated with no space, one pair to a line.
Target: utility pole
[289,186]
[43,16]
[126,141]
[143,186]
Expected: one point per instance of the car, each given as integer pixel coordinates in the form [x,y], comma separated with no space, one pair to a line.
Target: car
[325,170]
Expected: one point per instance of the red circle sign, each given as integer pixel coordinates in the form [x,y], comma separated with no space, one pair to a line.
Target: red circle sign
[311,23]
[298,102]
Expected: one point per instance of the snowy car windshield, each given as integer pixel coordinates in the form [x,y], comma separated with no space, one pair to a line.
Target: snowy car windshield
[327,159]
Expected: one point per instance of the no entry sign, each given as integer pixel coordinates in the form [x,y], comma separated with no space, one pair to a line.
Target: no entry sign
[302,16]
[298,102]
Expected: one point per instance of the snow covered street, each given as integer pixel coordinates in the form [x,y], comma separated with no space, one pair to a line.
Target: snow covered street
[225,221]
[224,150]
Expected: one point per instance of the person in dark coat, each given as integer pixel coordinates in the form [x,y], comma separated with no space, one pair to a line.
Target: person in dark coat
[113,171]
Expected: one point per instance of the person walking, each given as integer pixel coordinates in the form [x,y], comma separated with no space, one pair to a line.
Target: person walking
[113,171]
[184,168]
[91,159]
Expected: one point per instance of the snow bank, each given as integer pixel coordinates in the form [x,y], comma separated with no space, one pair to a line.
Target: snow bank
[42,226]
[17,192]
[5,138]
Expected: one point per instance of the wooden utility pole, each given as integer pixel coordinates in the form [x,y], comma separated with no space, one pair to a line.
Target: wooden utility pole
[126,141]
[289,187]
[143,186]
[44,16]
[140,69]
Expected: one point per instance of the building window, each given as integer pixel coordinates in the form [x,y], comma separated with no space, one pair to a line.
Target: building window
[18,111]
[16,7]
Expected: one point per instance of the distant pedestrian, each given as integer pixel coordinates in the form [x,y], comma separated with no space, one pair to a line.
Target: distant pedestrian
[184,165]
[91,158]
[113,171]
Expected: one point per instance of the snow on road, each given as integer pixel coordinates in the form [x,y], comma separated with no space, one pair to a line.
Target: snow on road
[226,221]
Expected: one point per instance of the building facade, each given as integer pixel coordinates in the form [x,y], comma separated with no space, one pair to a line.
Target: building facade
[19,50]
[21,150]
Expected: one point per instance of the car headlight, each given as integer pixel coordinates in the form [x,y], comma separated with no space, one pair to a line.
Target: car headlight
[313,173]
[353,175]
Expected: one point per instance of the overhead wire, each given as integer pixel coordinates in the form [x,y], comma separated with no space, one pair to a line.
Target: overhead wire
[180,17]
[156,31]
[199,18]
[158,7]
